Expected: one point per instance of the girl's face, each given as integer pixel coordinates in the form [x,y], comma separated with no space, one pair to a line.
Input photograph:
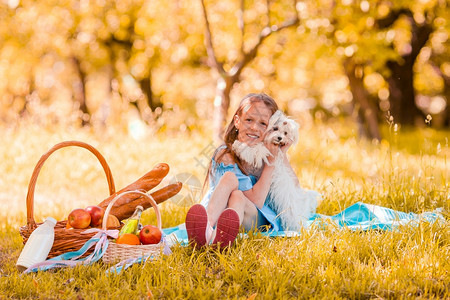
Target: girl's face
[252,123]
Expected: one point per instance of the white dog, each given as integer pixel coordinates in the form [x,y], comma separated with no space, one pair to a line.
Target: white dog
[293,204]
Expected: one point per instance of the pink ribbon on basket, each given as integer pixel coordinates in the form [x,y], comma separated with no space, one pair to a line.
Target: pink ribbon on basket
[103,238]
[114,233]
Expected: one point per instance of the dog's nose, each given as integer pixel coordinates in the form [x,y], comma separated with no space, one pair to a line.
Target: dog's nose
[279,138]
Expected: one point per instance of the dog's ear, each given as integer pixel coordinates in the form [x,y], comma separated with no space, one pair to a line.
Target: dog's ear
[295,127]
[274,119]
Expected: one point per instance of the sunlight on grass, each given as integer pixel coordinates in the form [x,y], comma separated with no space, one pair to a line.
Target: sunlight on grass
[407,172]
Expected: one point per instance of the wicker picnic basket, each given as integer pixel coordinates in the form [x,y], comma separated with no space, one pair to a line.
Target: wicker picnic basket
[119,252]
[65,239]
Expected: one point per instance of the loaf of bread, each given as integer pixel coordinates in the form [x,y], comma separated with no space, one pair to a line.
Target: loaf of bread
[143,184]
[126,209]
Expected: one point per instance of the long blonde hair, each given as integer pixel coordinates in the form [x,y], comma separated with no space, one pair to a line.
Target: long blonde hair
[231,133]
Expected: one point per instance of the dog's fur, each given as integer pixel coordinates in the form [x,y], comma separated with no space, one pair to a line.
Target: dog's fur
[254,156]
[293,204]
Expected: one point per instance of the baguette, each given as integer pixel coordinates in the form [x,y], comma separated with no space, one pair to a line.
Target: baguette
[145,183]
[125,211]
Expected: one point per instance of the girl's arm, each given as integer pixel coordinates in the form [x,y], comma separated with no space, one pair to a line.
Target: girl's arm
[258,193]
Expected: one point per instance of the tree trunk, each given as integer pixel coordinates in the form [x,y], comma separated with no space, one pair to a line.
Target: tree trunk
[446,113]
[221,106]
[367,112]
[146,88]
[31,92]
[229,78]
[446,92]
[401,87]
[79,93]
[402,96]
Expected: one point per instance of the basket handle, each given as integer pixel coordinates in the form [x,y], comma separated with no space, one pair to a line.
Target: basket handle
[149,198]
[37,169]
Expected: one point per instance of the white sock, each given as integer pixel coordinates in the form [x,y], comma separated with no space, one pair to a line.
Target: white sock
[209,233]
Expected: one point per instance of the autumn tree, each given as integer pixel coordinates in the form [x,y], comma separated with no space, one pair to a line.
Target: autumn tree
[401,73]
[437,56]
[378,43]
[370,56]
[229,67]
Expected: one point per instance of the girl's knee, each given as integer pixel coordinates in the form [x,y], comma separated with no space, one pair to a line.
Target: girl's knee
[237,194]
[236,198]
[230,180]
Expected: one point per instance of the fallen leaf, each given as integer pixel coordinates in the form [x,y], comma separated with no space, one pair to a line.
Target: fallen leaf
[252,296]
[149,294]
[36,284]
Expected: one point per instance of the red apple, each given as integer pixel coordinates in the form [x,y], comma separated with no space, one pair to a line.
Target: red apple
[79,218]
[150,234]
[96,213]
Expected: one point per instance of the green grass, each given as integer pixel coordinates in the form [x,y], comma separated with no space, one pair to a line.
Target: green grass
[407,172]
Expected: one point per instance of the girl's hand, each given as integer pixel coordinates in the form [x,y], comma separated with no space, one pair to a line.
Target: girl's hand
[274,150]
[286,146]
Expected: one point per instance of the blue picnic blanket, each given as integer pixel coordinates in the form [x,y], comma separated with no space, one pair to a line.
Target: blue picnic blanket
[359,216]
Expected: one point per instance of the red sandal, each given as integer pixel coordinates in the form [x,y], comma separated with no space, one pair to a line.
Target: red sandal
[227,228]
[196,224]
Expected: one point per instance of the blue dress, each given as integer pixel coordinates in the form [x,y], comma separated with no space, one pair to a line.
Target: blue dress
[265,214]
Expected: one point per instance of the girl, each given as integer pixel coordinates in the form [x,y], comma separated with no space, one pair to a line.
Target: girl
[236,197]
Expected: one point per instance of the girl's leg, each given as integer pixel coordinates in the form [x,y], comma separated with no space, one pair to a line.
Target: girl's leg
[246,209]
[221,195]
[200,221]
[240,211]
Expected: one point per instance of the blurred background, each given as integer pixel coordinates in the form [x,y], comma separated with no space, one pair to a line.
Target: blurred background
[175,66]
[149,81]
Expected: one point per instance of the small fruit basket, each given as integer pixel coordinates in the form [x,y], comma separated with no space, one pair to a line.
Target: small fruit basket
[119,252]
[66,240]
[71,239]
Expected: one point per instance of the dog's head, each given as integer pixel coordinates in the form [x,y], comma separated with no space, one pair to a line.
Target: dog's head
[281,129]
